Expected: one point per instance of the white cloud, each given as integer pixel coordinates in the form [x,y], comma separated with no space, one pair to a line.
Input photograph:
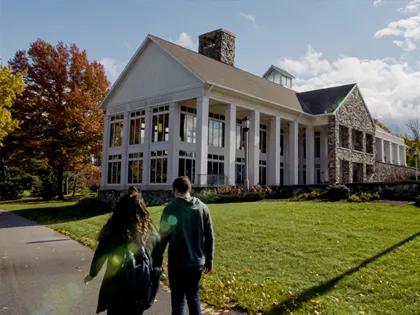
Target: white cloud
[406,45]
[185,40]
[390,88]
[412,7]
[249,18]
[112,68]
[408,28]
[377,3]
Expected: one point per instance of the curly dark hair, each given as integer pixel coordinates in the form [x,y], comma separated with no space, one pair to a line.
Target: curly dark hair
[130,220]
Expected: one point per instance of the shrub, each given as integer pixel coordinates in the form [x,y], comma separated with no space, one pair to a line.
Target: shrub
[46,188]
[417,203]
[13,182]
[92,206]
[354,198]
[337,192]
[364,197]
[307,196]
[230,198]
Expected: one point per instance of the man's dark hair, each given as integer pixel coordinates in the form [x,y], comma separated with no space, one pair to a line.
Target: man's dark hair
[182,185]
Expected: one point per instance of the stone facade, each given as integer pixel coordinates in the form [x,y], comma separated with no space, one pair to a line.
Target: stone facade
[151,197]
[343,159]
[218,45]
[385,172]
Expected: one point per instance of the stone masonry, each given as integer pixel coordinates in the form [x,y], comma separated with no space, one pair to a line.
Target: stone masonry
[353,115]
[218,45]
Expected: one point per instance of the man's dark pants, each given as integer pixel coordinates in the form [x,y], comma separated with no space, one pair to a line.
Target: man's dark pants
[184,283]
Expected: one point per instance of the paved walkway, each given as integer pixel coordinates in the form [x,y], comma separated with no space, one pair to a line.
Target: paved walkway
[41,272]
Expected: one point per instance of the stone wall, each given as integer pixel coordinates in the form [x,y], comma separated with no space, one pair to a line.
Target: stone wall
[391,172]
[151,197]
[353,115]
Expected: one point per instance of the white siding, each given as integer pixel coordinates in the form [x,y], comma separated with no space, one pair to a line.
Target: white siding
[154,72]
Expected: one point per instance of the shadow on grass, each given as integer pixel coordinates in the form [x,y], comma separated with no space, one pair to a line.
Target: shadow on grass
[294,303]
[45,216]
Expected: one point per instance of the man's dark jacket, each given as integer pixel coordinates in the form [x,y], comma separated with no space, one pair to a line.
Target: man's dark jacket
[186,225]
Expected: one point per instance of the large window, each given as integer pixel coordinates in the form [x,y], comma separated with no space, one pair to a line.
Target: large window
[240,171]
[216,130]
[317,144]
[116,130]
[137,127]
[187,131]
[239,135]
[215,169]
[263,139]
[135,168]
[114,169]
[187,165]
[160,125]
[263,173]
[159,167]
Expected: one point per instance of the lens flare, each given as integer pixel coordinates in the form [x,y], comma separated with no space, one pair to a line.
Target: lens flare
[172,220]
[116,260]
[164,226]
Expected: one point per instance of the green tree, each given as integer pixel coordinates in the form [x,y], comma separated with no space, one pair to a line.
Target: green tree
[11,86]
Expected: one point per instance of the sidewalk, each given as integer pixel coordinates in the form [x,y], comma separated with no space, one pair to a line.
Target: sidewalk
[42,271]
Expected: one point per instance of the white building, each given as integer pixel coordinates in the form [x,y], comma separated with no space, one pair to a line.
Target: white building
[176,112]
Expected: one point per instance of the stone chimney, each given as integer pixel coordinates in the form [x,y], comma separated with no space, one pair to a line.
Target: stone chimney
[219,45]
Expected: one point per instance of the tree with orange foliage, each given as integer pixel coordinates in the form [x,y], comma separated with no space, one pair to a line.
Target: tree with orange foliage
[61,121]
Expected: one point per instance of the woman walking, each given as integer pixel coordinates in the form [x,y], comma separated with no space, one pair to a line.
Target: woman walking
[129,231]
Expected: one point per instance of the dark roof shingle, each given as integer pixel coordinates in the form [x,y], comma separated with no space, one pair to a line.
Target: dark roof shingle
[323,101]
[216,72]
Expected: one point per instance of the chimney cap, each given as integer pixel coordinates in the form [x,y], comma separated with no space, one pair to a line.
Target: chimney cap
[220,30]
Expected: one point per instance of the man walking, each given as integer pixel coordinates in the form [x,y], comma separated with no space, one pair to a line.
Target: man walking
[186,225]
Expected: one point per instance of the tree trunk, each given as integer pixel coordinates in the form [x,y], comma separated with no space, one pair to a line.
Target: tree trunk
[74,186]
[60,179]
[66,187]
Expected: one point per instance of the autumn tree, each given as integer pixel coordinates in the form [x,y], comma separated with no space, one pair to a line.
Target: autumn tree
[11,86]
[62,123]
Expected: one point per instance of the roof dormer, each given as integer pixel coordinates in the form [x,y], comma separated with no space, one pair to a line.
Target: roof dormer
[279,76]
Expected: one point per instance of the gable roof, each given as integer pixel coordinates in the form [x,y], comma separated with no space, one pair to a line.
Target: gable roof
[225,76]
[284,72]
[324,101]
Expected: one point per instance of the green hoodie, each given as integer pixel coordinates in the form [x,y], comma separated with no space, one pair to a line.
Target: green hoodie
[186,225]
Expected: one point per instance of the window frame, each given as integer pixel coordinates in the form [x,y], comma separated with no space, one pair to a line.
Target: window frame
[135,116]
[157,113]
[158,157]
[114,160]
[132,159]
[183,157]
[115,121]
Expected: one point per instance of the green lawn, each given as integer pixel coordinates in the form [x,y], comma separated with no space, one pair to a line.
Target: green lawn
[305,258]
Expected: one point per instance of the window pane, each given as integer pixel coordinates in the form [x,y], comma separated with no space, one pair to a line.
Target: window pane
[181,167]
[143,129]
[164,170]
[109,173]
[155,129]
[166,124]
[317,147]
[159,168]
[281,145]
[153,171]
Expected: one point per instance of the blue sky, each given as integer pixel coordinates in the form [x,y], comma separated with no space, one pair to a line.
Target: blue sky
[323,42]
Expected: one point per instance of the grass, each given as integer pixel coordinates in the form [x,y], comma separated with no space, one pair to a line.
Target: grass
[300,258]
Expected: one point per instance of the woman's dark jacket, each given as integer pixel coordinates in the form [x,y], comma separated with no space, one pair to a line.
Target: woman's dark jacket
[113,249]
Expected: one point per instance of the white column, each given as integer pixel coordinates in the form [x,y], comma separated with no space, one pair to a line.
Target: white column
[105,145]
[398,156]
[173,151]
[293,152]
[300,158]
[202,140]
[254,147]
[230,143]
[310,155]
[147,140]
[324,156]
[381,151]
[125,143]
[273,158]
[388,151]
